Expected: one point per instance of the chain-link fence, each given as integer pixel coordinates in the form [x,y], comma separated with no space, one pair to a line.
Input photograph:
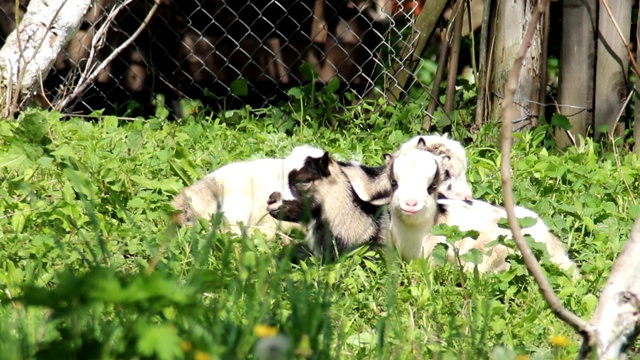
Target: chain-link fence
[229,53]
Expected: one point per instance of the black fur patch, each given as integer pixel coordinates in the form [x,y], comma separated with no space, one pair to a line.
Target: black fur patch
[442,210]
[392,177]
[382,194]
[372,172]
[366,206]
[435,183]
[308,172]
[293,211]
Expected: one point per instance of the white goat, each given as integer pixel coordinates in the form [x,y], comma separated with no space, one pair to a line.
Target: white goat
[452,161]
[415,209]
[240,190]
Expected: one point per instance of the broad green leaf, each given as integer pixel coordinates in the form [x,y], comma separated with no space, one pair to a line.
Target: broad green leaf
[159,340]
[18,220]
[240,87]
[166,185]
[439,254]
[333,85]
[561,121]
[527,222]
[474,256]
[12,161]
[110,122]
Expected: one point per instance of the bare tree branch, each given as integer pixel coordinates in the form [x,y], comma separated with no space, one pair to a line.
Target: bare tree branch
[86,80]
[23,58]
[529,259]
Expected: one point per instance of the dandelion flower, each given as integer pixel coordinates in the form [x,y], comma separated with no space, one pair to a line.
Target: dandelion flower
[201,355]
[265,331]
[560,340]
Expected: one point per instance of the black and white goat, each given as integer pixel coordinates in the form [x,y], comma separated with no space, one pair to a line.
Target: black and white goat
[415,208]
[337,218]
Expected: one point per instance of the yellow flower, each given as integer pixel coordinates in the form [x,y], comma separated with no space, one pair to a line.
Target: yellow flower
[186,346]
[265,330]
[201,355]
[522,357]
[560,340]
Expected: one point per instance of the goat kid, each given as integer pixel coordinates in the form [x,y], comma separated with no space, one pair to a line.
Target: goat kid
[415,209]
[336,217]
[239,190]
[453,185]
[452,162]
[372,184]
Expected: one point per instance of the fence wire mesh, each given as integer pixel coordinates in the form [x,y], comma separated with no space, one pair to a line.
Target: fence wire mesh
[230,53]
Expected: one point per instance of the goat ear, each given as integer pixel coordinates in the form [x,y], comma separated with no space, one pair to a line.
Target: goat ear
[387,158]
[422,145]
[324,162]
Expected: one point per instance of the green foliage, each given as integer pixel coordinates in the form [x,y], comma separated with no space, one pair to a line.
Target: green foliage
[92,268]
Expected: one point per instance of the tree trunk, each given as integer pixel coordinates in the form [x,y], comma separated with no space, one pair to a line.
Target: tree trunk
[32,48]
[617,316]
[636,120]
[577,65]
[513,17]
[612,66]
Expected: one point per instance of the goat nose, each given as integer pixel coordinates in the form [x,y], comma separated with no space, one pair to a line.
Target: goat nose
[411,202]
[467,197]
[274,197]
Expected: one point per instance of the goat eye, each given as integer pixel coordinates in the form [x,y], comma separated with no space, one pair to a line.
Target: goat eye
[447,175]
[304,182]
[446,157]
[431,189]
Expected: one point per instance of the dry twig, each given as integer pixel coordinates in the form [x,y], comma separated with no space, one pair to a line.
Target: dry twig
[481,76]
[454,57]
[437,80]
[529,259]
[92,71]
[615,151]
[626,45]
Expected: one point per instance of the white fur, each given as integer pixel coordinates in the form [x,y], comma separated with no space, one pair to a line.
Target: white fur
[240,190]
[413,171]
[411,232]
[452,157]
[483,217]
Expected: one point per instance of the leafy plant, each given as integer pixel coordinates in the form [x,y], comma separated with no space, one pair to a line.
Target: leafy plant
[92,266]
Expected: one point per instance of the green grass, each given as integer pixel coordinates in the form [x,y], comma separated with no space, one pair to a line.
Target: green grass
[91,267]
